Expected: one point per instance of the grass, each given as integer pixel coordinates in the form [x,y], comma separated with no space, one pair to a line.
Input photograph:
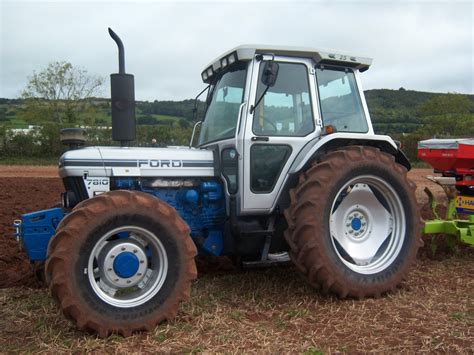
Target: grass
[18,122]
[164,118]
[13,121]
[271,311]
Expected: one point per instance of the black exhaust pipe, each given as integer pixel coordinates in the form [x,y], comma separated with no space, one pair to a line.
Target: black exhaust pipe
[122,99]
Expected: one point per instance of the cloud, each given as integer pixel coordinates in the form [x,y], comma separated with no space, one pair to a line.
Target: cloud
[418,45]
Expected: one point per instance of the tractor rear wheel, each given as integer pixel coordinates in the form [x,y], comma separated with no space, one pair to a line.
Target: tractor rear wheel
[121,262]
[353,223]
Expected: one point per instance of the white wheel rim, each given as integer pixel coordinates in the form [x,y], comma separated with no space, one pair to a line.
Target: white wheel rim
[145,282]
[367,224]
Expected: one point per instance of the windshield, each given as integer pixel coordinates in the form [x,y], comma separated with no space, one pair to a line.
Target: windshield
[223,106]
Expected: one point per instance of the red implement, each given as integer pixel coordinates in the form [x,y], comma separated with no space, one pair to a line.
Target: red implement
[451,157]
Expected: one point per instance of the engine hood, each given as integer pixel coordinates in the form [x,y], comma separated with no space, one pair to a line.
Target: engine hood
[147,162]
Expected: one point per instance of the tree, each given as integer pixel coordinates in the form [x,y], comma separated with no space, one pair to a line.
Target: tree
[448,116]
[60,94]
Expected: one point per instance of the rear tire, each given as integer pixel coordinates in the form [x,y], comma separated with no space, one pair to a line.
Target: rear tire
[353,223]
[121,262]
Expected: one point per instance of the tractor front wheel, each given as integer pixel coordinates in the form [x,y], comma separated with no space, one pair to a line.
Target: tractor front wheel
[121,262]
[354,223]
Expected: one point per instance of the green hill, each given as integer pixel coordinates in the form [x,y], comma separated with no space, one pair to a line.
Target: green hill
[392,111]
[398,111]
[406,115]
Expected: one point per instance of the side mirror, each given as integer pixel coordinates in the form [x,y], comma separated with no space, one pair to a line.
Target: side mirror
[270,73]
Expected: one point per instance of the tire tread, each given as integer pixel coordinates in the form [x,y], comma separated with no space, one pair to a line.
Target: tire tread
[304,216]
[65,241]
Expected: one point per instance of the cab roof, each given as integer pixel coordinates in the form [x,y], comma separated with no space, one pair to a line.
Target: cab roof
[320,56]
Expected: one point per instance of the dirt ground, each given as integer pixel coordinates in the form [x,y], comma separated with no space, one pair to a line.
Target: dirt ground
[28,171]
[433,311]
[22,189]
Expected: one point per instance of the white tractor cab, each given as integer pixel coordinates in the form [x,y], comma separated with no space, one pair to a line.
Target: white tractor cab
[286,165]
[289,105]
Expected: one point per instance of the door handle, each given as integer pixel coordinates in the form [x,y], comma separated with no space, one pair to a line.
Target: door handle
[260,139]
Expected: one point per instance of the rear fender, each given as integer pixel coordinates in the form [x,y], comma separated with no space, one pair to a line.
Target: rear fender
[325,144]
[321,146]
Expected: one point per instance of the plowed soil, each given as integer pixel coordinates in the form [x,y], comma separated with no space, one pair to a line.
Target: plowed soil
[22,190]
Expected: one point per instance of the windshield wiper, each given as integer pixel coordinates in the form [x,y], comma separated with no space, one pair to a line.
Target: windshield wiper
[269,77]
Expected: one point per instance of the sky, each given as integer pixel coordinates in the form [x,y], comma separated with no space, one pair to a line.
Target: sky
[419,45]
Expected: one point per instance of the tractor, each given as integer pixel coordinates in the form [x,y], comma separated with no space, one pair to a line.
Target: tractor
[283,166]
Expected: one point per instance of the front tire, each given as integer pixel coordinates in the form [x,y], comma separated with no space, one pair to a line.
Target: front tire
[354,223]
[121,262]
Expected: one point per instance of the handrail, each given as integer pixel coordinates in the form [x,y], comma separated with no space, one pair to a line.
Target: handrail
[192,135]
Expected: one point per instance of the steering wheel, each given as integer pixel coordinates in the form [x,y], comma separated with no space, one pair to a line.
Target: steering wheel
[226,132]
[266,120]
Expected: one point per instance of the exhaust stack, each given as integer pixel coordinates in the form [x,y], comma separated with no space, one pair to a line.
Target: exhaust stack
[122,99]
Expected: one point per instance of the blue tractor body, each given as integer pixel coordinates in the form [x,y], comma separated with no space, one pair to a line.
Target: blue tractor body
[201,206]
[35,231]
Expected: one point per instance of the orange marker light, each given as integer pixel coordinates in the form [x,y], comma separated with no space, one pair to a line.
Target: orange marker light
[329,129]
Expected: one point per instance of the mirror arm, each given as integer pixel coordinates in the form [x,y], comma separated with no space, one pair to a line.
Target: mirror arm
[195,102]
[253,107]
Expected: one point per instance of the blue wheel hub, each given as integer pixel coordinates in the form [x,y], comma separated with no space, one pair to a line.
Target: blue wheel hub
[126,264]
[356,223]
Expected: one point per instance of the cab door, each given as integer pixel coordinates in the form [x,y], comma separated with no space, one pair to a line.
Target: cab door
[284,120]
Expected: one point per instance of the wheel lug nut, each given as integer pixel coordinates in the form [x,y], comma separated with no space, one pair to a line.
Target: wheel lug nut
[135,250]
[117,280]
[139,274]
[128,281]
[109,269]
[123,249]
[112,256]
[142,261]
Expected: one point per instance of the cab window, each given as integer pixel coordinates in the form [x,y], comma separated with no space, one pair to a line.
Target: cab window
[341,106]
[285,110]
